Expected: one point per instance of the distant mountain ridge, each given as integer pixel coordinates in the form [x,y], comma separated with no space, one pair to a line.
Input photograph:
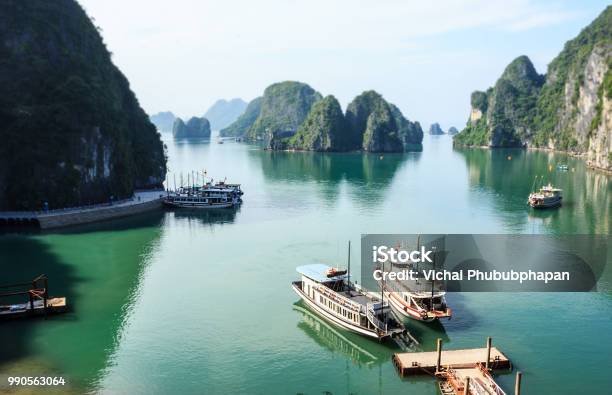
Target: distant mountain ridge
[163,120]
[224,112]
[284,107]
[568,109]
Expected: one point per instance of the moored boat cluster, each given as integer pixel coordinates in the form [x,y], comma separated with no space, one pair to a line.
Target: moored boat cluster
[207,195]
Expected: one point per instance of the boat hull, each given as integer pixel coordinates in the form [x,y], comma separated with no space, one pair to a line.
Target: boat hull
[332,319]
[201,206]
[405,311]
[545,204]
[54,306]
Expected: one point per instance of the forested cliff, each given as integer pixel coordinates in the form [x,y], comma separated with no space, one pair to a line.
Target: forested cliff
[568,109]
[71,130]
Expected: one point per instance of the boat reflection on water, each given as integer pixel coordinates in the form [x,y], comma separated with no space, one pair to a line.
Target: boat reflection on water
[426,332]
[206,217]
[333,339]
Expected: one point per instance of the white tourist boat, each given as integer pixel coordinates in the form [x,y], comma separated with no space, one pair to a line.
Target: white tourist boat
[330,294]
[547,197]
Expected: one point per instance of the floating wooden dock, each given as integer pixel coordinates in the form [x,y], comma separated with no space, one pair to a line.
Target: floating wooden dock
[415,363]
[38,303]
[54,306]
[460,372]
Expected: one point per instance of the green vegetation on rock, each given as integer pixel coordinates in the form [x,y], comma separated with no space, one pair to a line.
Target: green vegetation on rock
[565,110]
[375,124]
[284,107]
[240,127]
[194,128]
[506,111]
[72,130]
[324,129]
[292,115]
[410,133]
[567,73]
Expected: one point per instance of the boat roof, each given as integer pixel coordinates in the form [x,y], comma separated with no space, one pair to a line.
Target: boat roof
[318,272]
[550,188]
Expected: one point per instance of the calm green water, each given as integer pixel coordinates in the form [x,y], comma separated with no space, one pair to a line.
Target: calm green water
[201,303]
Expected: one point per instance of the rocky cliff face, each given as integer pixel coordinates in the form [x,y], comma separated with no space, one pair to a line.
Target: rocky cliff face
[378,126]
[324,129]
[410,133]
[224,112]
[163,120]
[574,108]
[72,131]
[568,109]
[194,128]
[504,115]
[284,107]
[435,129]
[240,127]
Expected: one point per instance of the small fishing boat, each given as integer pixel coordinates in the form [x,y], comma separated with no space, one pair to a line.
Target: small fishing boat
[420,300]
[562,167]
[330,294]
[420,306]
[546,197]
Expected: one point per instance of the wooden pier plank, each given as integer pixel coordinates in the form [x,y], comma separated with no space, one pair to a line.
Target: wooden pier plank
[425,362]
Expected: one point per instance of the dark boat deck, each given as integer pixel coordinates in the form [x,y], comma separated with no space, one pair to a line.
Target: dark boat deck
[356,297]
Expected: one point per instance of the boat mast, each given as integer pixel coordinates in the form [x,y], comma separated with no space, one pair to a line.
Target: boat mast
[382,294]
[349,268]
[433,281]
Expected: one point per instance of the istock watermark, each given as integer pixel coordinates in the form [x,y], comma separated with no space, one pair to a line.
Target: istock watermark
[483,263]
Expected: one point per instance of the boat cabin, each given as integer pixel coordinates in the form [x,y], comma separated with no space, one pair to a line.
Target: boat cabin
[329,292]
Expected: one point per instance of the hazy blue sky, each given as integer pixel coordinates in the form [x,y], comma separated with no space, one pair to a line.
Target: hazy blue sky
[426,57]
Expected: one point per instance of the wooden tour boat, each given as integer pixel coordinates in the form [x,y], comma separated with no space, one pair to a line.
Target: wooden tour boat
[208,196]
[330,293]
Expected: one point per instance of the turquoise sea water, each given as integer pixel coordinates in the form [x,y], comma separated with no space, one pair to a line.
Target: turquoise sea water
[179,302]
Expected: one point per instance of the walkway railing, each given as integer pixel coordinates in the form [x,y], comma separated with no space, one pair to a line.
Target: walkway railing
[374,320]
[76,209]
